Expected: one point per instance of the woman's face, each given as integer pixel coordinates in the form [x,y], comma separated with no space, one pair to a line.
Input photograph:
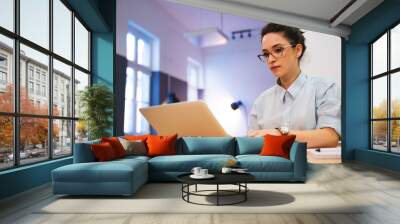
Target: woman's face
[283,58]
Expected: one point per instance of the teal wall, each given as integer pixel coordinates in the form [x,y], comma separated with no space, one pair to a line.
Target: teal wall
[356,103]
[24,178]
[102,59]
[99,15]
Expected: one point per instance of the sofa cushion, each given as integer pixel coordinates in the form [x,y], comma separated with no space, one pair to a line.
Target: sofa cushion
[135,137]
[116,145]
[185,163]
[83,152]
[103,152]
[249,145]
[206,145]
[257,163]
[134,147]
[161,145]
[277,145]
[111,171]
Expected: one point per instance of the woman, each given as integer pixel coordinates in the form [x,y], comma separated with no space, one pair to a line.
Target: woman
[298,104]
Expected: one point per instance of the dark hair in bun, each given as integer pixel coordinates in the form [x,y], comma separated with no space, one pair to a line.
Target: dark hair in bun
[294,35]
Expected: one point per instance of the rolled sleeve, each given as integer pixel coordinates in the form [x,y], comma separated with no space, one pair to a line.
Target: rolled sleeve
[329,108]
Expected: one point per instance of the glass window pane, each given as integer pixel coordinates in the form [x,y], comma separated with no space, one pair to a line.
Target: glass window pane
[6,142]
[130,84]
[379,97]
[130,47]
[129,113]
[81,131]
[143,87]
[62,29]
[144,53]
[33,139]
[379,135]
[6,74]
[129,117]
[395,94]
[62,138]
[395,136]
[62,89]
[35,21]
[7,14]
[142,126]
[81,45]
[81,81]
[379,55]
[395,47]
[34,79]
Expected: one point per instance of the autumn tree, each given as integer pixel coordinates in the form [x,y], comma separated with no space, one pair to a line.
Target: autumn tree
[380,127]
[33,131]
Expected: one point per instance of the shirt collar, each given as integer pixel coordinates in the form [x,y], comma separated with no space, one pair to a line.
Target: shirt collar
[293,89]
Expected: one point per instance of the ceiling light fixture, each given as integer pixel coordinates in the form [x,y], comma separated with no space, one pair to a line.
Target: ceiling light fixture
[241,33]
[208,37]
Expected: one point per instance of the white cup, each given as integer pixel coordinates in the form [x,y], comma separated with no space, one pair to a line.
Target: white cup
[203,172]
[196,171]
[226,170]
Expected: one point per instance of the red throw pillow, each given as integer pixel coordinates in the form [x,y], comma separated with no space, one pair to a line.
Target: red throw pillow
[103,151]
[116,145]
[161,145]
[277,145]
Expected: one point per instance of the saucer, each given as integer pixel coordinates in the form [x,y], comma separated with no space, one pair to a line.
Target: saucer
[208,176]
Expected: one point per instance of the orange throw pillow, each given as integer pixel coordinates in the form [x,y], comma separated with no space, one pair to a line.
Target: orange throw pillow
[116,145]
[136,137]
[161,145]
[103,152]
[277,145]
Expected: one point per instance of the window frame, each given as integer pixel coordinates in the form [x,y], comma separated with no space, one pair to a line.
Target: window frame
[144,69]
[388,74]
[16,115]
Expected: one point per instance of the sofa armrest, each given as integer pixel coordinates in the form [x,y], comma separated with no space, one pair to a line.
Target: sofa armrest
[83,152]
[298,155]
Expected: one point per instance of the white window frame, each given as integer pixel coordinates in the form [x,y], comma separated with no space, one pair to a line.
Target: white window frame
[140,125]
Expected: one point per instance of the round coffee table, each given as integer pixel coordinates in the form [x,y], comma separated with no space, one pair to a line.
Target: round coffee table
[238,179]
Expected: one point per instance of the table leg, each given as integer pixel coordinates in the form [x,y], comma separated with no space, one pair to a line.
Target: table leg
[196,188]
[245,193]
[217,194]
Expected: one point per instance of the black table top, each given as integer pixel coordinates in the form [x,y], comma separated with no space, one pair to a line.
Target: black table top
[220,178]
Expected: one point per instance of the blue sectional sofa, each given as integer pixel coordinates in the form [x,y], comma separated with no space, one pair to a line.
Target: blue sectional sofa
[125,176]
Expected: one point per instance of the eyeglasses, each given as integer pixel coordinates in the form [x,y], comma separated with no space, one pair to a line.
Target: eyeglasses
[276,52]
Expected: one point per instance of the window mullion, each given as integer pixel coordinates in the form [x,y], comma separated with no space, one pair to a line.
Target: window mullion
[16,84]
[73,82]
[50,81]
[389,94]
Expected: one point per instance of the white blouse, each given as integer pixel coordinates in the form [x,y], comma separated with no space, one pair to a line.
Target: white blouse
[309,103]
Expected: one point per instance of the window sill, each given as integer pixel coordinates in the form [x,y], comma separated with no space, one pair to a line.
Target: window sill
[25,167]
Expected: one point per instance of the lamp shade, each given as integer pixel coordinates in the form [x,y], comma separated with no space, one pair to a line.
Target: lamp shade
[236,105]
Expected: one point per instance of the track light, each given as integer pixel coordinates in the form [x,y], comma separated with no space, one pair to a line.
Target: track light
[242,33]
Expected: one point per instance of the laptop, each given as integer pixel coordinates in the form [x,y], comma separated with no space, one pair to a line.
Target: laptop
[185,119]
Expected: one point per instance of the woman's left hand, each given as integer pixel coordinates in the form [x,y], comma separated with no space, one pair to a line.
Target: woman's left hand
[261,133]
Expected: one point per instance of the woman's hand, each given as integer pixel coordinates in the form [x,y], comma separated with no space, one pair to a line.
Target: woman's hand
[261,133]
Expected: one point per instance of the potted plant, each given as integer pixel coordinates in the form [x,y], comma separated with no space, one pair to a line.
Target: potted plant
[96,103]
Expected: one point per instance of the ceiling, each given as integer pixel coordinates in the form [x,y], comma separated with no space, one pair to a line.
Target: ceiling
[326,16]
[194,18]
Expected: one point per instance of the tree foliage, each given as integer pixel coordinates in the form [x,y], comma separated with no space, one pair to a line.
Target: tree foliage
[33,131]
[96,102]
[380,127]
